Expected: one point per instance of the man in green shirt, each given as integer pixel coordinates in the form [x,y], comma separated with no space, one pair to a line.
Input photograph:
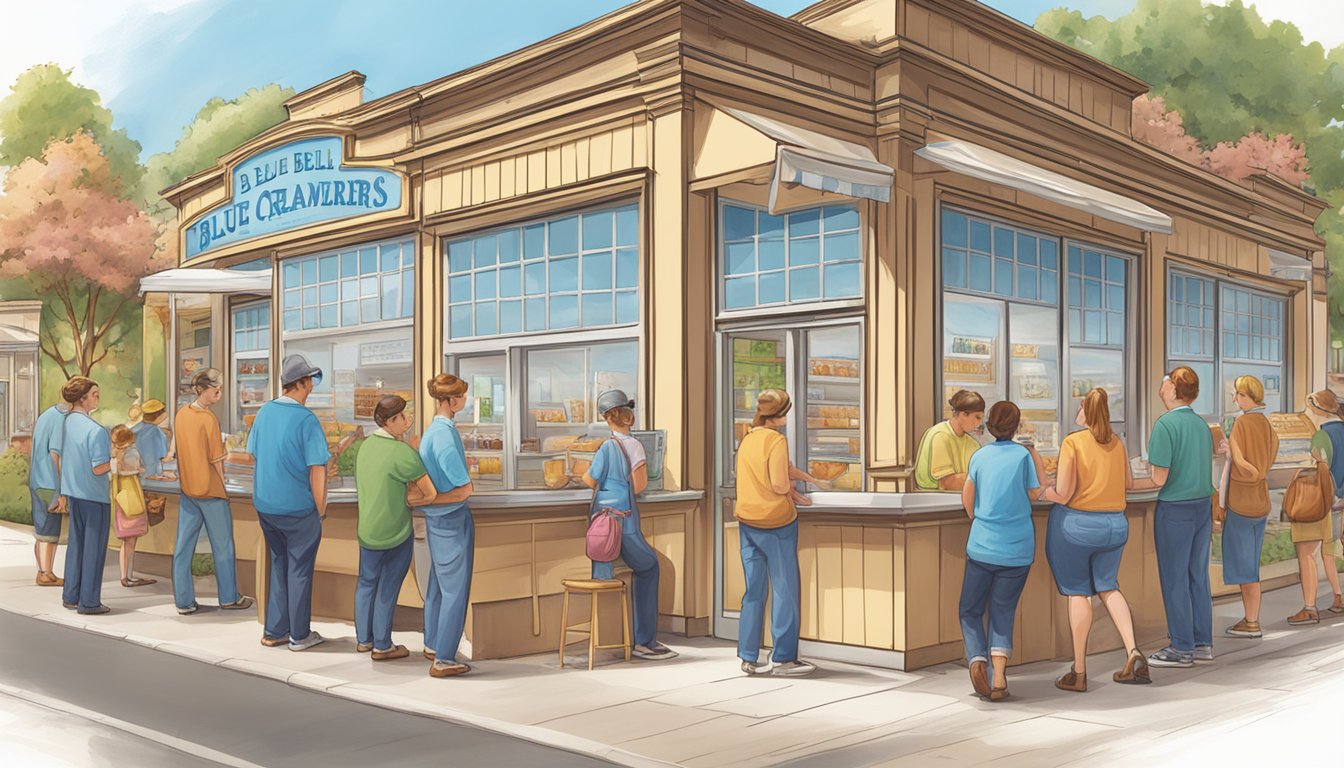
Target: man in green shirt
[1180,451]
[384,470]
[944,454]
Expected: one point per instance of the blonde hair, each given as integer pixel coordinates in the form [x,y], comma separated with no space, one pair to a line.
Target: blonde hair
[771,404]
[122,436]
[1251,387]
[1097,414]
[620,416]
[446,385]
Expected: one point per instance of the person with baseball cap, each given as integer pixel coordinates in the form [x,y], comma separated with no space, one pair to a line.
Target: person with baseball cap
[618,474]
[199,448]
[150,441]
[290,493]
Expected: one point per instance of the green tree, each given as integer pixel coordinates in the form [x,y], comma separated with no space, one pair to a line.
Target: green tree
[1229,73]
[45,106]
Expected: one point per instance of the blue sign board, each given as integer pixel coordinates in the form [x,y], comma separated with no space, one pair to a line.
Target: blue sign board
[292,186]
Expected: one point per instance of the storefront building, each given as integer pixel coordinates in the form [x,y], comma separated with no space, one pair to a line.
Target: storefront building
[20,348]
[870,204]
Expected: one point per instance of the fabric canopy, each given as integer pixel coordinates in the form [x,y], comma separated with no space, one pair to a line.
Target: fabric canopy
[986,164]
[1286,266]
[256,281]
[816,161]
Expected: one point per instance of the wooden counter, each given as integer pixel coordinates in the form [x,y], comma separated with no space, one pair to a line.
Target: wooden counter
[526,542]
[883,572]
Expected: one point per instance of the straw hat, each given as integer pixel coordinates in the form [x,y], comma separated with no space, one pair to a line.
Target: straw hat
[1325,401]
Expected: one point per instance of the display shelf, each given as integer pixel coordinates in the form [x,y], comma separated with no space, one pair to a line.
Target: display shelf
[846,380]
[815,403]
[483,452]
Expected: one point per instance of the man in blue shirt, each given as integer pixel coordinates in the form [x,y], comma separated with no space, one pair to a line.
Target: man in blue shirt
[290,494]
[86,461]
[44,476]
[150,441]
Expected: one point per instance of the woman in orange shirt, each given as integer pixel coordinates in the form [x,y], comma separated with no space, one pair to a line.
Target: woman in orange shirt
[1087,534]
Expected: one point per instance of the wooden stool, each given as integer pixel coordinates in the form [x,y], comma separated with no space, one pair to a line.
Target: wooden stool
[593,588]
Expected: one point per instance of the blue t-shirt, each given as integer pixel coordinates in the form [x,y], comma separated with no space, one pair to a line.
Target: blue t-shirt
[85,445]
[441,450]
[48,433]
[152,445]
[286,439]
[1002,533]
[611,470]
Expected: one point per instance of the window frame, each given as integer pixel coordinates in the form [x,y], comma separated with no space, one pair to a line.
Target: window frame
[406,246]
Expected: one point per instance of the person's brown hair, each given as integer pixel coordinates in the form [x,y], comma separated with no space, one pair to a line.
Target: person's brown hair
[1003,421]
[966,401]
[1186,381]
[77,388]
[388,406]
[446,385]
[295,384]
[621,416]
[122,436]
[207,379]
[771,404]
[1097,414]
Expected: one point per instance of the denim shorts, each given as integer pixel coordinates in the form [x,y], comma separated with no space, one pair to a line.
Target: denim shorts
[46,525]
[1242,539]
[1084,549]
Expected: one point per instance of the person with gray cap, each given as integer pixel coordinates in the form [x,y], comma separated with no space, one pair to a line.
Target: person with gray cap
[200,463]
[620,472]
[290,494]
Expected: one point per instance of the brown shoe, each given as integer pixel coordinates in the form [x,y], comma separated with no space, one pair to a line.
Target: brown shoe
[429,654]
[1245,628]
[998,694]
[49,580]
[1135,671]
[138,582]
[395,652]
[274,642]
[1305,616]
[1072,681]
[440,669]
[980,678]
[363,647]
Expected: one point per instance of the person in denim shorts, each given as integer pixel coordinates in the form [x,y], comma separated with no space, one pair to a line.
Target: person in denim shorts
[44,476]
[1086,536]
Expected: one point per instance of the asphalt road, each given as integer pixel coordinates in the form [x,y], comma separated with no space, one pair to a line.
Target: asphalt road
[76,677]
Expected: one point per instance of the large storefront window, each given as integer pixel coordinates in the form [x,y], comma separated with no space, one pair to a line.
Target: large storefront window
[1248,338]
[1003,335]
[251,362]
[575,271]
[795,258]
[349,312]
[193,344]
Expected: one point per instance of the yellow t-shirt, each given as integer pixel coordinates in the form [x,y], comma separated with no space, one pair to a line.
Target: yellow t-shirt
[1100,472]
[942,453]
[763,468]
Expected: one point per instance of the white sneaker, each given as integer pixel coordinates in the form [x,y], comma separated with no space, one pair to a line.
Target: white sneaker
[795,668]
[308,642]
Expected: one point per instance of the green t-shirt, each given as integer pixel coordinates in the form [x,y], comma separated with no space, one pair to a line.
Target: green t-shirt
[942,453]
[383,469]
[1321,445]
[1181,442]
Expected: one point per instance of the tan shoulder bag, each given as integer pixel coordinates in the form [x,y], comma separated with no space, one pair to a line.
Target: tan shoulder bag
[1310,494]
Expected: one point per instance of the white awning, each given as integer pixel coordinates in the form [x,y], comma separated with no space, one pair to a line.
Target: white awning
[1286,266]
[816,161]
[256,281]
[986,164]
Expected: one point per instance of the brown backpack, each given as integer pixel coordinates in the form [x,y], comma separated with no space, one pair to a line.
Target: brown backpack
[1309,494]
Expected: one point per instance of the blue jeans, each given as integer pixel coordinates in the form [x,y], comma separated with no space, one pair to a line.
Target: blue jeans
[218,520]
[452,548]
[1182,534]
[86,552]
[992,589]
[770,554]
[292,541]
[637,554]
[1084,550]
[381,572]
[46,525]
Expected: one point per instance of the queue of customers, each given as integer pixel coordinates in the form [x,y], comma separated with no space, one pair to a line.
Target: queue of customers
[1087,531]
[81,468]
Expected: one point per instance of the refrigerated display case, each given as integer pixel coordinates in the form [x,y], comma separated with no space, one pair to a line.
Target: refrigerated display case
[482,424]
[833,396]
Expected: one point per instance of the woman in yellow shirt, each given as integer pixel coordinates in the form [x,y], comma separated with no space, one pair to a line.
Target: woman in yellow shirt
[1086,536]
[767,524]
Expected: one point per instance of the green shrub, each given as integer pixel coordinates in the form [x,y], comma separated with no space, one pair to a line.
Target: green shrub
[345,463]
[203,565]
[15,502]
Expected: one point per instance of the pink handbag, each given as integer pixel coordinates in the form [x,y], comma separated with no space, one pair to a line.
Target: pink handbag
[603,541]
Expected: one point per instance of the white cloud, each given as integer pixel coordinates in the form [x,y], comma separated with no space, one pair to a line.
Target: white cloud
[1319,20]
[66,33]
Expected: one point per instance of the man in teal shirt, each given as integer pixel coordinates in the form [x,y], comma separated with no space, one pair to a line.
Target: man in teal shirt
[1180,451]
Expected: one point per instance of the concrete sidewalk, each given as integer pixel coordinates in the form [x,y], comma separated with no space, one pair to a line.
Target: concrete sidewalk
[699,710]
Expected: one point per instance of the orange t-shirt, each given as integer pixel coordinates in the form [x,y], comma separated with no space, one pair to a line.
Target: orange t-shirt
[199,445]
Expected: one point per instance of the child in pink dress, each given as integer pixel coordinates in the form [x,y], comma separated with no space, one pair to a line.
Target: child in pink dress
[126,471]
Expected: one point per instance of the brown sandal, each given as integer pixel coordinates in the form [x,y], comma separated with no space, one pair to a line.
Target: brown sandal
[998,694]
[1135,671]
[1338,606]
[138,582]
[1072,681]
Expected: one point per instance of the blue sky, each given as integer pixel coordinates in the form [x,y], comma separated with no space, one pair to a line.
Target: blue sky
[157,61]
